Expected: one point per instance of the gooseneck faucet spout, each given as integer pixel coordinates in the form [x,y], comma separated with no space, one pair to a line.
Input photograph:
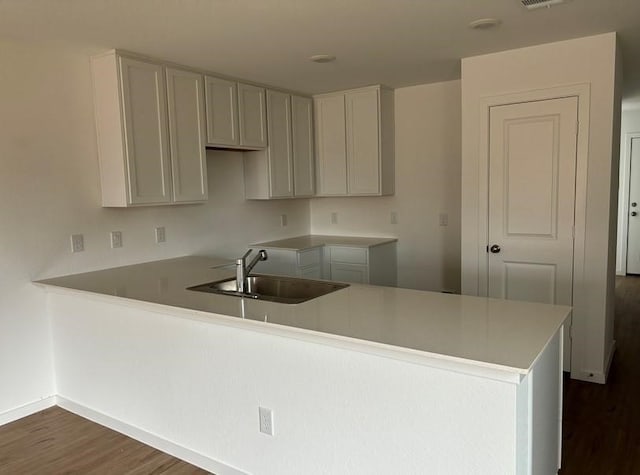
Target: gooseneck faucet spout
[243,269]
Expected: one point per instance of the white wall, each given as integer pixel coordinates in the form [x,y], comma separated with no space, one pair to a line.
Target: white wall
[590,60]
[199,384]
[427,150]
[49,189]
[630,125]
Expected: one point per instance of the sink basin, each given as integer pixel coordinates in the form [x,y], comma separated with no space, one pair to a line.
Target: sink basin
[272,288]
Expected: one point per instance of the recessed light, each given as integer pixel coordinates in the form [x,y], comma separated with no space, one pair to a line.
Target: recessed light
[484,23]
[322,58]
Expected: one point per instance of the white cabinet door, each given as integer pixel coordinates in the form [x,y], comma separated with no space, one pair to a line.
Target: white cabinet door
[252,116]
[330,143]
[222,111]
[363,142]
[279,150]
[358,274]
[145,125]
[186,135]
[303,151]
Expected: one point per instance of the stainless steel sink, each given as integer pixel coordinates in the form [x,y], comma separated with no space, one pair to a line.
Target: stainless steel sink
[272,288]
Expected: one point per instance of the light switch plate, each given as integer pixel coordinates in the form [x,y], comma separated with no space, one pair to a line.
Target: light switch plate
[283,220]
[444,219]
[334,218]
[394,217]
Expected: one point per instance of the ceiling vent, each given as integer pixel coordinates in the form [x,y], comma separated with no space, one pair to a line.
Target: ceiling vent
[533,4]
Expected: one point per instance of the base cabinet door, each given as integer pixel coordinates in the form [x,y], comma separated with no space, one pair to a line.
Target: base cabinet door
[355,273]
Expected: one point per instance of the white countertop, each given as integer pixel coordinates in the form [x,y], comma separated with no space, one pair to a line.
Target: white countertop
[457,332]
[300,243]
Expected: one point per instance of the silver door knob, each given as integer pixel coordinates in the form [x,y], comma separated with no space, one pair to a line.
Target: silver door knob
[633,213]
[495,249]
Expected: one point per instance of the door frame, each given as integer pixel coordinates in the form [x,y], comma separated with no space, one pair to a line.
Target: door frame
[582,92]
[623,207]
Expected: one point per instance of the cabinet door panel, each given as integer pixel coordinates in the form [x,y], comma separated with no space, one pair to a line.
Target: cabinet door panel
[332,156]
[363,142]
[280,153]
[303,151]
[145,119]
[222,111]
[186,135]
[252,116]
[350,273]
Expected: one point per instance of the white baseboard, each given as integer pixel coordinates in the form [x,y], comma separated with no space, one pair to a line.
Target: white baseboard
[150,439]
[27,410]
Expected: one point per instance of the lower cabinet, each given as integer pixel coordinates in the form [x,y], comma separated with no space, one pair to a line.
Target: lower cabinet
[305,263]
[375,265]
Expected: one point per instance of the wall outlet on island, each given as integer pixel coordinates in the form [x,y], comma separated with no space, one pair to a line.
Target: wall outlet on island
[266,420]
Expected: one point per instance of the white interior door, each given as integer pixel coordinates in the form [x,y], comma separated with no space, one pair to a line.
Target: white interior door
[532,163]
[633,233]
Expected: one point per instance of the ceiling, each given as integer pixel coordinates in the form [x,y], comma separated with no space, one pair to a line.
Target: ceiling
[392,42]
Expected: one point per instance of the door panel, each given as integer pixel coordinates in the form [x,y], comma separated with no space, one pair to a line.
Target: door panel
[145,117]
[633,233]
[280,153]
[532,162]
[186,135]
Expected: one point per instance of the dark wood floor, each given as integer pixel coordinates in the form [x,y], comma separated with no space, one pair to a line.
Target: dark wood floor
[55,441]
[601,434]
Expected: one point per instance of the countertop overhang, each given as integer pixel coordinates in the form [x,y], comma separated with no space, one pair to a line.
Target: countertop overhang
[493,338]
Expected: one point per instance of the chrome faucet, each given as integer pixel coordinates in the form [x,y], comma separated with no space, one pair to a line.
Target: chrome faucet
[243,269]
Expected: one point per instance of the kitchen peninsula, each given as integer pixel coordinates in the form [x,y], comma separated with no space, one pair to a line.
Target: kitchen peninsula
[367,379]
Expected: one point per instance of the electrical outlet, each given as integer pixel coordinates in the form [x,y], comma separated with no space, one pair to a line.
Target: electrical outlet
[77,243]
[334,218]
[116,239]
[394,217]
[161,236]
[266,420]
[444,219]
[283,220]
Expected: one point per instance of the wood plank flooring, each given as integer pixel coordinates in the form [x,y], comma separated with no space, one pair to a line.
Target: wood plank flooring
[55,441]
[601,434]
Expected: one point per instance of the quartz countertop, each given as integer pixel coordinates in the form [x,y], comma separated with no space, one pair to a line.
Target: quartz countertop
[301,243]
[463,333]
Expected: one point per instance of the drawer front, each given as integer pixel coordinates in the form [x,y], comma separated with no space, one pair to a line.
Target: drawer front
[349,255]
[310,257]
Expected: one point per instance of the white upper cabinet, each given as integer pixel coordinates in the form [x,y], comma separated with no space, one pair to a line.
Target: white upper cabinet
[331,145]
[280,153]
[222,112]
[187,135]
[285,168]
[355,142]
[136,159]
[303,151]
[252,116]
